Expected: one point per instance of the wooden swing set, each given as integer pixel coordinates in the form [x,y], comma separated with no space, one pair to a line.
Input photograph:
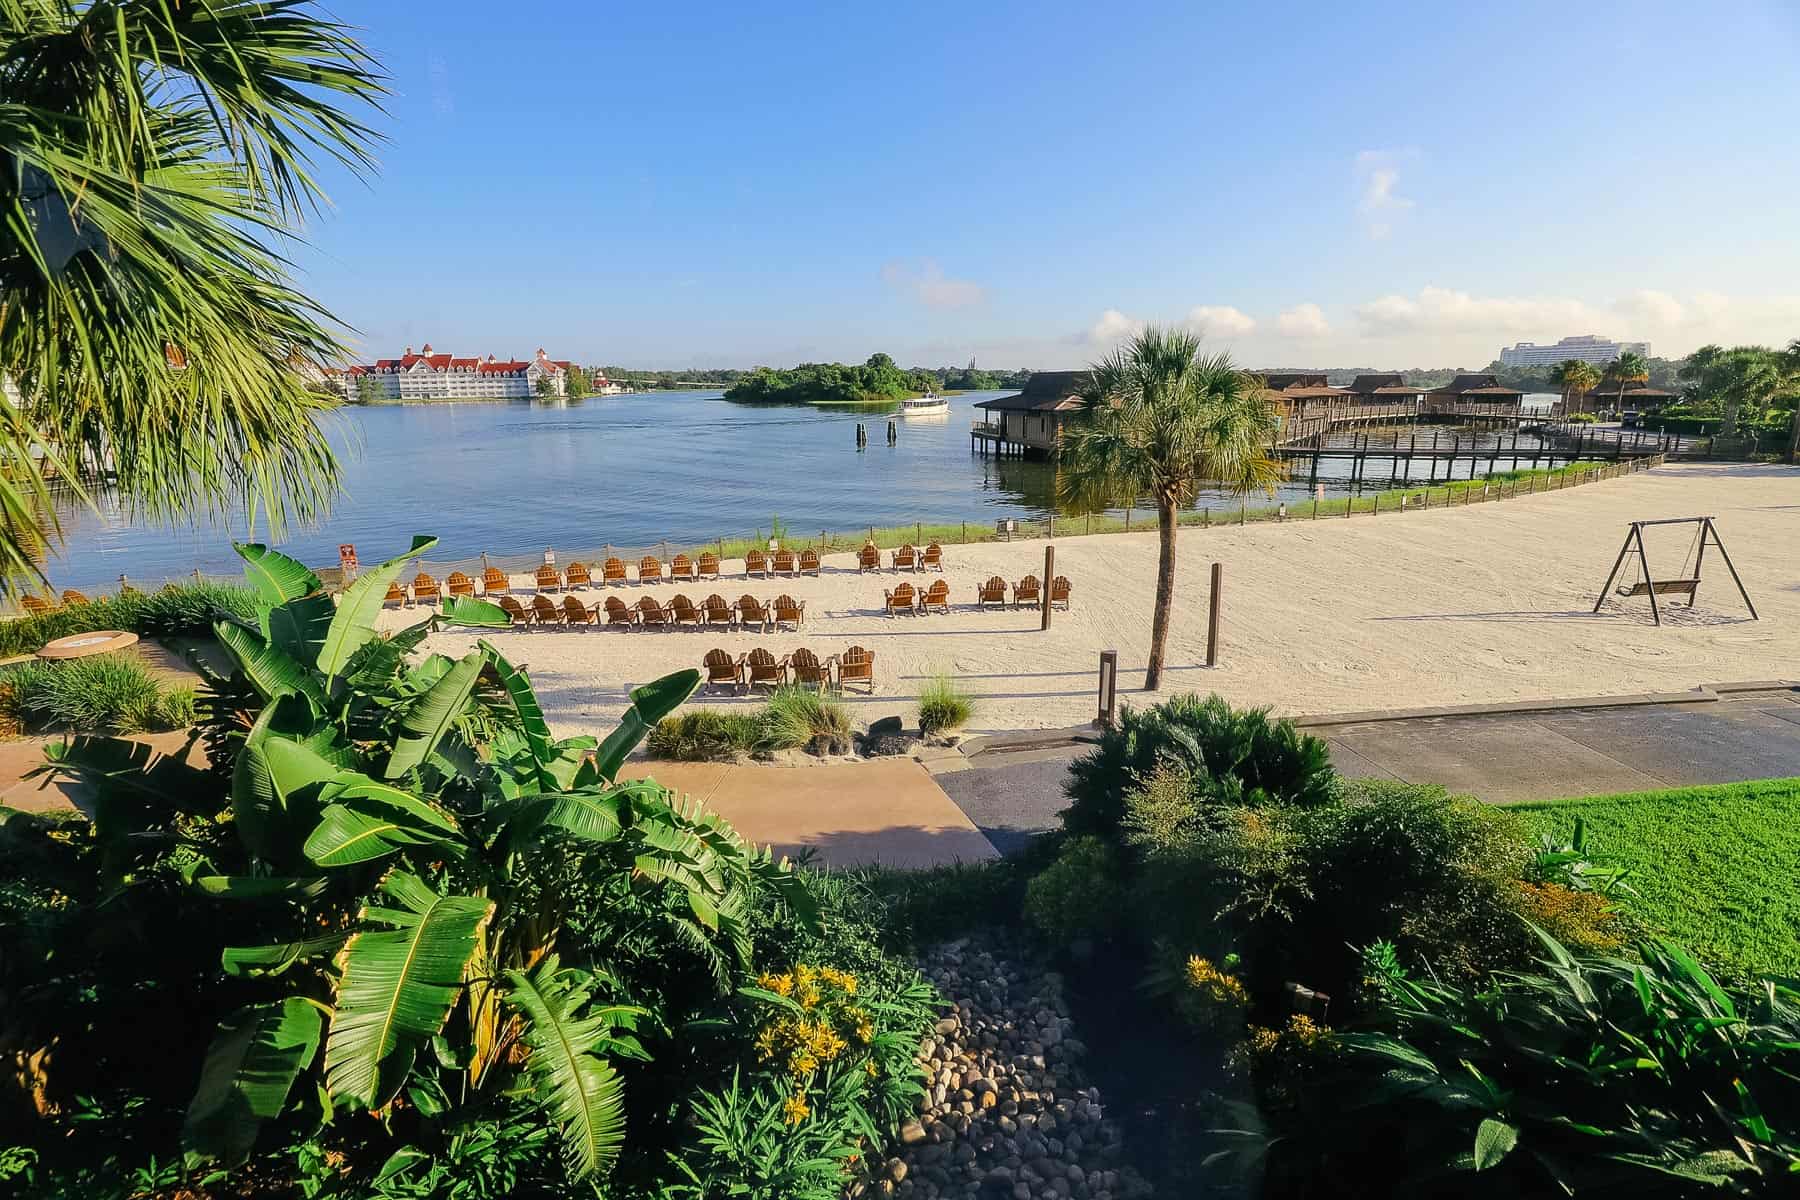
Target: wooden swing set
[1687,583]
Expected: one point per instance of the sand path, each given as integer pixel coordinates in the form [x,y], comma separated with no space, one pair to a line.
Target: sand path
[1463,605]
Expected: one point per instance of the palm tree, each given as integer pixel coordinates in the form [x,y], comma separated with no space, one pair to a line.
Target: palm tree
[1576,377]
[1791,361]
[1159,418]
[1629,367]
[154,155]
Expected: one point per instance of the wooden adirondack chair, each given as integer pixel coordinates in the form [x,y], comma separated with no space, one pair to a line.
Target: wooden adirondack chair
[708,567]
[761,667]
[460,584]
[544,609]
[683,612]
[395,594]
[868,558]
[932,559]
[809,561]
[936,597]
[991,592]
[512,608]
[722,669]
[494,582]
[789,611]
[1060,588]
[547,578]
[900,600]
[717,610]
[612,571]
[651,613]
[856,664]
[752,611]
[786,563]
[1027,591]
[425,589]
[650,569]
[577,613]
[756,563]
[682,567]
[71,597]
[906,558]
[618,614]
[807,669]
[578,575]
[37,606]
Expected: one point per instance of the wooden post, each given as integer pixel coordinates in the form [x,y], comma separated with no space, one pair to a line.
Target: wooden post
[1109,688]
[1212,615]
[1049,575]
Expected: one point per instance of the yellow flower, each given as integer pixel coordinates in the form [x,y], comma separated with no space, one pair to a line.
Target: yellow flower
[794,1109]
[873,1070]
[781,985]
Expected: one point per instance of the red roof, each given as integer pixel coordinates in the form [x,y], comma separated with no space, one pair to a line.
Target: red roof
[465,362]
[503,368]
[382,364]
[437,362]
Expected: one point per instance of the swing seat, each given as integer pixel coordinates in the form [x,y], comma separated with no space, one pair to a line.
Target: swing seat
[1662,587]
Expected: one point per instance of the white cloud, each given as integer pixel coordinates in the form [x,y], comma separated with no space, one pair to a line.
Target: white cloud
[1114,326]
[1442,310]
[1379,201]
[1220,320]
[1303,321]
[1656,308]
[925,282]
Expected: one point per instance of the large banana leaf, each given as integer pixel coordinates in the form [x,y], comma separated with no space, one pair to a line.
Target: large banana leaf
[298,627]
[270,670]
[275,786]
[365,819]
[396,986]
[578,1089]
[276,577]
[461,610]
[258,887]
[256,962]
[249,1069]
[357,608]
[432,714]
[375,665]
[597,814]
[649,704]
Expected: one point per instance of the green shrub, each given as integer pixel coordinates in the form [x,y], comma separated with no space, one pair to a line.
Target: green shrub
[943,705]
[1591,1076]
[101,693]
[179,610]
[1583,418]
[1078,896]
[936,903]
[1234,756]
[703,735]
[797,717]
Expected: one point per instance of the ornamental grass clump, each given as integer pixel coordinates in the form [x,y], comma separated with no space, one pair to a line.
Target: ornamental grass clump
[943,705]
[797,717]
[105,693]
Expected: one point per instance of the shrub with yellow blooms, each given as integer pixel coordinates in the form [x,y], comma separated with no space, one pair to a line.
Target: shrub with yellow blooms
[1211,998]
[1278,1062]
[815,1023]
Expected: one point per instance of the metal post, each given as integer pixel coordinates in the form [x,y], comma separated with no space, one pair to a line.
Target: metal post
[1045,590]
[1212,615]
[1729,567]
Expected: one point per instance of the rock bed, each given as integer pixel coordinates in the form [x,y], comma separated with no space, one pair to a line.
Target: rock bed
[1005,1115]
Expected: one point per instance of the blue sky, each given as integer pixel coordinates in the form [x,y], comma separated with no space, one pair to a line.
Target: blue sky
[1386,184]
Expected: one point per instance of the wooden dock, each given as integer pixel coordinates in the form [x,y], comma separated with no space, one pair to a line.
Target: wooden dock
[1403,450]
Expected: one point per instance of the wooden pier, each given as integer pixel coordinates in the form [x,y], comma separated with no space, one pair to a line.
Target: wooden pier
[1403,450]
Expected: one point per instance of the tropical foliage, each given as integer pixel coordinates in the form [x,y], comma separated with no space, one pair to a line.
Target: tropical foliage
[1575,379]
[1744,385]
[154,155]
[432,924]
[1160,419]
[877,379]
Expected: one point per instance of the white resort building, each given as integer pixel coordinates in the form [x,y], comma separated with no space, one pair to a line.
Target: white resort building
[1588,348]
[434,375]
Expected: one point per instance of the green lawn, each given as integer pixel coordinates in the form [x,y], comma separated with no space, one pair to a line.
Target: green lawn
[1716,866]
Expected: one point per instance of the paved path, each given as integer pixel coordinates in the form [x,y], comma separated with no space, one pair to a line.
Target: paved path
[890,811]
[1502,757]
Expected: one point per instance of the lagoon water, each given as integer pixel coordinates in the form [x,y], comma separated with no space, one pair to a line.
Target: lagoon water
[511,479]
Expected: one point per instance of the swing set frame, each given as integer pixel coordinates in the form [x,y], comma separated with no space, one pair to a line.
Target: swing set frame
[1652,587]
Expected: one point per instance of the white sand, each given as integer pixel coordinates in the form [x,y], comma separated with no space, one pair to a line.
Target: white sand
[1478,604]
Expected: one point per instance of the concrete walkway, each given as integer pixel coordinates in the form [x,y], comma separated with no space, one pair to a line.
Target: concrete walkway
[1500,757]
[889,812]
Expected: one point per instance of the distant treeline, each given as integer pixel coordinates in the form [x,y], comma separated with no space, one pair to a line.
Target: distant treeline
[813,383]
[942,379]
[1664,373]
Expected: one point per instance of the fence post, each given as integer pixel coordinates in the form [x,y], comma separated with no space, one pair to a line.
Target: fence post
[1045,590]
[965,533]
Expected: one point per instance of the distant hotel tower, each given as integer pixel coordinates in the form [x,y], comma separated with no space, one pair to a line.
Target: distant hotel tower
[1588,348]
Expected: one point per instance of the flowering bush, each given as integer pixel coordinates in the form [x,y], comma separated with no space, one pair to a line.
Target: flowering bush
[822,1024]
[1280,1062]
[1210,998]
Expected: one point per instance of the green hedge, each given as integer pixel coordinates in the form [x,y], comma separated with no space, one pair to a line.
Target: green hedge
[172,612]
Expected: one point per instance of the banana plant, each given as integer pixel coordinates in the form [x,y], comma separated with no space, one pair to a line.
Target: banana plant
[389,811]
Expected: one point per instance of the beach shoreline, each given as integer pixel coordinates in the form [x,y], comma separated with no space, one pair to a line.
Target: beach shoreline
[1483,604]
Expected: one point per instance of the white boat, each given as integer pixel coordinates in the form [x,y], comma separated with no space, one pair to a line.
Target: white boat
[929,405]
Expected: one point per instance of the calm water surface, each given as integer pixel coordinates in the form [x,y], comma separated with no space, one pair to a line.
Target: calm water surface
[511,479]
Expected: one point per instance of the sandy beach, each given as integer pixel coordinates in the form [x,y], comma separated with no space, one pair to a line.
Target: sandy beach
[1464,605]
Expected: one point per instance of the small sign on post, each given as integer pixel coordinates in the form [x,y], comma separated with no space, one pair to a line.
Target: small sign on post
[347,561]
[1109,688]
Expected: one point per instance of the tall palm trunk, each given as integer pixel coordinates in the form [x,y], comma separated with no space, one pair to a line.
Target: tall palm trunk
[1165,589]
